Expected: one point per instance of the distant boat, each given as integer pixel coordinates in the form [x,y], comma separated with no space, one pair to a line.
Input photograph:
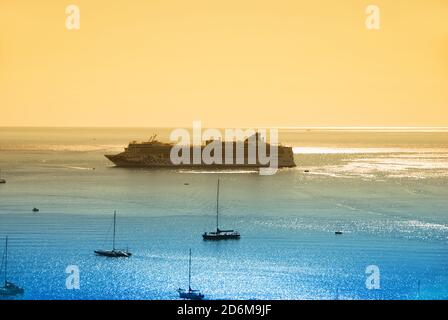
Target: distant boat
[338,232]
[35,209]
[220,234]
[190,293]
[114,253]
[2,180]
[9,288]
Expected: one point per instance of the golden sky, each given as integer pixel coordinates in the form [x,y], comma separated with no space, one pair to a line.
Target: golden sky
[227,63]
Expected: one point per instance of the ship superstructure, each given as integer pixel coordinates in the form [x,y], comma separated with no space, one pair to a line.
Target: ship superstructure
[154,153]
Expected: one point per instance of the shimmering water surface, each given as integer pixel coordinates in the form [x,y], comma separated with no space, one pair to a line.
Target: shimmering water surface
[386,190]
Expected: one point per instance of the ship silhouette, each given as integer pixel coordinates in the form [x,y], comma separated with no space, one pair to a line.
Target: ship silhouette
[154,153]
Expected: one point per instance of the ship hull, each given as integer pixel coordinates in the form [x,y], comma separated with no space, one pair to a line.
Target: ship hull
[191,295]
[142,163]
[113,253]
[220,237]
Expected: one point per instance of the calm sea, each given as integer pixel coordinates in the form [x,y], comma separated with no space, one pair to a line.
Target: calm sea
[386,190]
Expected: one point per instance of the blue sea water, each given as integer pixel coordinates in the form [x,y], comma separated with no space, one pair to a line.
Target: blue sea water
[386,191]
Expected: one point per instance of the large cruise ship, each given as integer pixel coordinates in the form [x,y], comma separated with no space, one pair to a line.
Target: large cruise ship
[153,153]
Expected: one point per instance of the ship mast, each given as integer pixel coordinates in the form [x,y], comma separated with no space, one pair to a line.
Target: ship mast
[189,273]
[113,241]
[6,259]
[217,207]
[418,290]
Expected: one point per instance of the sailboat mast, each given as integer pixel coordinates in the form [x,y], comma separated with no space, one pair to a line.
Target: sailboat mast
[6,258]
[115,218]
[189,272]
[217,207]
[418,290]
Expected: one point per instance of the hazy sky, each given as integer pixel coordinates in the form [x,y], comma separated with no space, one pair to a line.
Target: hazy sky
[226,62]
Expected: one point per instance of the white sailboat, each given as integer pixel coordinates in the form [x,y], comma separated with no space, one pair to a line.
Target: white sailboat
[220,234]
[190,293]
[114,253]
[9,288]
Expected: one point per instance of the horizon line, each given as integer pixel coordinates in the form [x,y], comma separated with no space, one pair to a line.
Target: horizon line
[347,128]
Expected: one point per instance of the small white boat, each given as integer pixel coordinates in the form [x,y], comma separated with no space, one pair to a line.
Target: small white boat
[190,294]
[114,253]
[220,234]
[9,288]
